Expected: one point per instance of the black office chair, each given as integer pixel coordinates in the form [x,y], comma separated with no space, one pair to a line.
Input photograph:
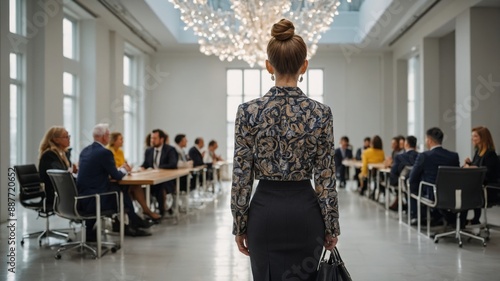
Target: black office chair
[32,196]
[65,205]
[456,189]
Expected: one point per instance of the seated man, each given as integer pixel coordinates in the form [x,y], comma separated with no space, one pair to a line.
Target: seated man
[97,165]
[341,153]
[211,158]
[426,169]
[196,154]
[160,156]
[182,162]
[401,161]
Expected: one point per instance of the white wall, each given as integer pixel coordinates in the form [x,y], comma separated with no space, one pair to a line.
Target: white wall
[447,87]
[192,99]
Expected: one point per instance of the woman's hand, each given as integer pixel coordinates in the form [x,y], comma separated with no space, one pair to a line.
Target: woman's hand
[330,242]
[242,243]
[467,162]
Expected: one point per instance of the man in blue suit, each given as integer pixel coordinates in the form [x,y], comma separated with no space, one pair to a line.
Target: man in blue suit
[341,153]
[426,168]
[160,156]
[97,165]
[401,161]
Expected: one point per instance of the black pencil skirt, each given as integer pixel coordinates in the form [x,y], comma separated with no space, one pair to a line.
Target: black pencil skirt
[285,231]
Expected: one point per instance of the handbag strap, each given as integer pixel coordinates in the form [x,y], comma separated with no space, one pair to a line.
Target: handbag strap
[336,256]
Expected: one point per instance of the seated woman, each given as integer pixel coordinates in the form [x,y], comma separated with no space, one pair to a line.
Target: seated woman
[373,154]
[53,155]
[484,156]
[136,191]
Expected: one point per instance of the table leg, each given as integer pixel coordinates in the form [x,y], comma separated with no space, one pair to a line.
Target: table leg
[122,221]
[177,197]
[148,196]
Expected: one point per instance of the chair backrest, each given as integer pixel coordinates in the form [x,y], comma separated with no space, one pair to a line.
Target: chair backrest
[66,193]
[29,182]
[406,171]
[460,188]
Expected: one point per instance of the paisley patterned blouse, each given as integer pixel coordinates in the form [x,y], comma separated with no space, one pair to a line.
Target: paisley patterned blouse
[284,136]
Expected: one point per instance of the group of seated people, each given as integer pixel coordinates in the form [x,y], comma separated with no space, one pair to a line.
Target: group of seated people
[424,165]
[102,164]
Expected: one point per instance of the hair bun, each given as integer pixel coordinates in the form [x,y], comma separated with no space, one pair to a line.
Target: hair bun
[283,30]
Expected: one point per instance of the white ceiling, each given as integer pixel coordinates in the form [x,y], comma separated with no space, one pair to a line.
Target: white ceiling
[374,27]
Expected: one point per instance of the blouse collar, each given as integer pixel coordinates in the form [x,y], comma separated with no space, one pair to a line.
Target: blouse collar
[284,91]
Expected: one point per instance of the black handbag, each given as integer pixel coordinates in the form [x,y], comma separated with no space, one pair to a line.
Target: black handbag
[333,268]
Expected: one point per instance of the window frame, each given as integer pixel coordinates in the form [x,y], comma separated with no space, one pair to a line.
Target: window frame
[20,28]
[72,66]
[131,112]
[75,39]
[18,82]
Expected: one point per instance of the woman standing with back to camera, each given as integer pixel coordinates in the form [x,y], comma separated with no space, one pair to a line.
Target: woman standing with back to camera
[283,139]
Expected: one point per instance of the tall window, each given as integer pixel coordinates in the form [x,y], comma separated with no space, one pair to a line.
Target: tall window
[70,109]
[69,38]
[16,109]
[130,143]
[16,13]
[246,84]
[71,73]
[17,76]
[415,122]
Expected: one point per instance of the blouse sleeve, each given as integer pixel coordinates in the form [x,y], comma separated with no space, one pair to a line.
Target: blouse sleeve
[242,172]
[324,177]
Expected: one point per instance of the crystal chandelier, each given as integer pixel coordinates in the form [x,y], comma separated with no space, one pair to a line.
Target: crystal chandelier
[241,29]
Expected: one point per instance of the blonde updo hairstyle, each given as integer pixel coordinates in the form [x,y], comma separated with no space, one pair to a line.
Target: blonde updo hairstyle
[48,143]
[286,51]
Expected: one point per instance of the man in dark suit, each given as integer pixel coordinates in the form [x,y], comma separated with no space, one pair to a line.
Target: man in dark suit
[426,168]
[196,154]
[160,156]
[341,153]
[401,161]
[97,165]
[404,159]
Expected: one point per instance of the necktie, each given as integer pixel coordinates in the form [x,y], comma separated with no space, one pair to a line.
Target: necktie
[155,162]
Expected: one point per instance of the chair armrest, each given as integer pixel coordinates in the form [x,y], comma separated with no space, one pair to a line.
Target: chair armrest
[426,201]
[96,195]
[112,193]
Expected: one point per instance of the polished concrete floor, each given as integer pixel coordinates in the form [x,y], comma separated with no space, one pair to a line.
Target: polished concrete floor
[373,244]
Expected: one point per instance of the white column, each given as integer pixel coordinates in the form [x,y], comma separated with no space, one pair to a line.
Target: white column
[429,70]
[477,75]
[44,87]
[116,80]
[95,90]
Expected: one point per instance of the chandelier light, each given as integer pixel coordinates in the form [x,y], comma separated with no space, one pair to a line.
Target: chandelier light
[241,29]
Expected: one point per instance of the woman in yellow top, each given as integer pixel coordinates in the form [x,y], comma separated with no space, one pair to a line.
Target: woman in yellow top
[136,192]
[373,154]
